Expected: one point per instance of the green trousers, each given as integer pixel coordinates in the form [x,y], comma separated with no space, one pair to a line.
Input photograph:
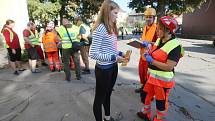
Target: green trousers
[67,53]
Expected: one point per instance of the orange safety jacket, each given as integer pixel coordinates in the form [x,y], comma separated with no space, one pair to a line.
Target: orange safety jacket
[163,78]
[147,36]
[49,42]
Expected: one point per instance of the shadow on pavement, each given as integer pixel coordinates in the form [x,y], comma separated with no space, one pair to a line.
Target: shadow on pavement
[201,48]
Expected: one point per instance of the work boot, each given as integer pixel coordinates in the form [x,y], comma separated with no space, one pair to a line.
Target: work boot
[138,90]
[86,71]
[155,119]
[52,68]
[143,116]
[58,68]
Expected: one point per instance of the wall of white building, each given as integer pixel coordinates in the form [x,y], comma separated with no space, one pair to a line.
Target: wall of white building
[17,11]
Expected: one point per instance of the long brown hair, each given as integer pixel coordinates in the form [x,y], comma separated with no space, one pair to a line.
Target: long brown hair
[105,16]
[8,22]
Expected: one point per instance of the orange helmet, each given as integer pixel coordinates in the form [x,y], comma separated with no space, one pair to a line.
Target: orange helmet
[170,23]
[150,12]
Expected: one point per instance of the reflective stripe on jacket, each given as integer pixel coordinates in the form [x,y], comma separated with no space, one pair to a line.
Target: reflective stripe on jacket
[73,32]
[34,38]
[11,37]
[49,42]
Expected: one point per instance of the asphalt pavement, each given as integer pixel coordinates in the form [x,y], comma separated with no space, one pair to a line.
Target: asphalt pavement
[47,96]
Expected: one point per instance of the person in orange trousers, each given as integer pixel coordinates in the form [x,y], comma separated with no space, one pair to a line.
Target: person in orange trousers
[162,58]
[50,41]
[149,35]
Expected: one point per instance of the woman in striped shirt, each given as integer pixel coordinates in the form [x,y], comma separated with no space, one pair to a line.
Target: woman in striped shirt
[104,51]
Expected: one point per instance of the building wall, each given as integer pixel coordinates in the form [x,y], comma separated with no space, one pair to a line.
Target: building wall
[17,11]
[201,22]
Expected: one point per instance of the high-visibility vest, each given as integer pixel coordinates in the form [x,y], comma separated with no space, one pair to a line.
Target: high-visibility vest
[73,32]
[11,37]
[49,42]
[34,38]
[163,78]
[147,36]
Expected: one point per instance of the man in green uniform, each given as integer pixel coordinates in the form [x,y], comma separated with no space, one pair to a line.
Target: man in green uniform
[68,33]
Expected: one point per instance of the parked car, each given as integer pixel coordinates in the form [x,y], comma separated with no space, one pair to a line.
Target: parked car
[136,31]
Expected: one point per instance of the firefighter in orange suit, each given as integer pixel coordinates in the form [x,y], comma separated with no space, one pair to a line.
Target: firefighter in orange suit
[149,35]
[162,58]
[50,41]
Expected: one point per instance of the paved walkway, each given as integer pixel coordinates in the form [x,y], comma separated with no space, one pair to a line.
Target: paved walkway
[46,97]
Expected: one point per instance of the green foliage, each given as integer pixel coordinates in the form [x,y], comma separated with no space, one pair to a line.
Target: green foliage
[176,7]
[88,8]
[24,56]
[43,11]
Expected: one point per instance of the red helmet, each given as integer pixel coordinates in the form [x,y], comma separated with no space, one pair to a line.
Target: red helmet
[170,23]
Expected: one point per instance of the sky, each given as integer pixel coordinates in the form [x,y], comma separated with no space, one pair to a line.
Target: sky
[123,5]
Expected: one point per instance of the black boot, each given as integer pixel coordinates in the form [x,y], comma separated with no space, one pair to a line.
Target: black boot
[143,116]
[86,71]
[139,90]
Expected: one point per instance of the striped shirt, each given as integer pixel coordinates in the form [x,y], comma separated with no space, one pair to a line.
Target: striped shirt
[104,47]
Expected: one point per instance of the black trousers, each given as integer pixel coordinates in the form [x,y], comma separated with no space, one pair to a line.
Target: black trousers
[105,81]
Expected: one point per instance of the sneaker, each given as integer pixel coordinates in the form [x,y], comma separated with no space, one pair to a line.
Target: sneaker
[86,71]
[16,73]
[111,119]
[22,69]
[36,71]
[143,116]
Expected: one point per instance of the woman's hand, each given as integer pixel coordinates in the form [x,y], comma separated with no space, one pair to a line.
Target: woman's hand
[13,51]
[120,59]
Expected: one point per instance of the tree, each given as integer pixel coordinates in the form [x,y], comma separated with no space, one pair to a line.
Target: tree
[163,7]
[88,8]
[43,11]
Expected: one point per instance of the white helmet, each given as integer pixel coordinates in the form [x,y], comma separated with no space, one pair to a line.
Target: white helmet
[50,25]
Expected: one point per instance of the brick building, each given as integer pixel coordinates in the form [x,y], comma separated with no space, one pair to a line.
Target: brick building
[200,23]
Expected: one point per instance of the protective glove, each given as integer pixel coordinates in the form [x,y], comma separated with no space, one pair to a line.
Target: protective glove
[145,44]
[120,53]
[149,58]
